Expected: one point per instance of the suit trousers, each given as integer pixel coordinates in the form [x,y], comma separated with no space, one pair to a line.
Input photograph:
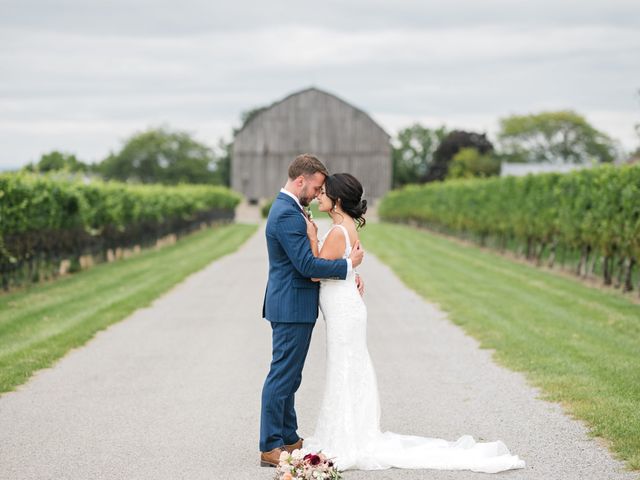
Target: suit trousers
[278,423]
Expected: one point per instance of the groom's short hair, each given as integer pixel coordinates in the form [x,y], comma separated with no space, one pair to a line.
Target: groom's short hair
[306,164]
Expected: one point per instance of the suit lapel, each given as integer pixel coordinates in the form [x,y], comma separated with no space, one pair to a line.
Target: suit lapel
[290,201]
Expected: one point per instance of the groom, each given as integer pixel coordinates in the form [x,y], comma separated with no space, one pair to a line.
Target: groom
[291,303]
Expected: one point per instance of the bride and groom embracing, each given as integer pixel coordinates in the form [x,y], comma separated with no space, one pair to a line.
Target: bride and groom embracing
[304,274]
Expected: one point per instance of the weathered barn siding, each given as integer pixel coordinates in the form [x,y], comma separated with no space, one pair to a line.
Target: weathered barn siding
[343,137]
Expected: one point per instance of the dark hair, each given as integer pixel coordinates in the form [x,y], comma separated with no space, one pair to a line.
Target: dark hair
[346,188]
[306,164]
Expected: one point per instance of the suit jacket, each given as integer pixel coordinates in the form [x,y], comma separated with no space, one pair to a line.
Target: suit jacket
[290,296]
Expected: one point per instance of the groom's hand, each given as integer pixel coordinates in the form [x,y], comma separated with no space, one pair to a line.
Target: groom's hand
[360,284]
[356,254]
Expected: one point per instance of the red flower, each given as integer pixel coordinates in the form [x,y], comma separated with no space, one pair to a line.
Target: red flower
[315,460]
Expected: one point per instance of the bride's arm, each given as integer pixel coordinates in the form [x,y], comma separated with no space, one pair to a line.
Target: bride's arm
[333,247]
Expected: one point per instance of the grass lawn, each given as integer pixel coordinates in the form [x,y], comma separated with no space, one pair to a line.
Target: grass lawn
[40,324]
[580,345]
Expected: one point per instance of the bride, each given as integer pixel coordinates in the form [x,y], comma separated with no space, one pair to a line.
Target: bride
[348,427]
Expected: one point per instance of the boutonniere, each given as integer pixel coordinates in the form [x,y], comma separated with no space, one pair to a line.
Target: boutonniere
[309,213]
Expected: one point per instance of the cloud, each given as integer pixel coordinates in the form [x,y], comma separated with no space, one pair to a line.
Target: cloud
[83,76]
[166,18]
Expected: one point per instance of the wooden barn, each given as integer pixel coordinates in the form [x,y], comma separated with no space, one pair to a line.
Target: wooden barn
[342,136]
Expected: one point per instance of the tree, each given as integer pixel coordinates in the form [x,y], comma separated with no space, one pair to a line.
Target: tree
[554,137]
[412,153]
[468,162]
[163,156]
[450,146]
[635,156]
[56,160]
[223,165]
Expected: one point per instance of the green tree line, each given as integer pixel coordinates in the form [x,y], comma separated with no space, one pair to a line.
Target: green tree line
[422,154]
[156,155]
[419,154]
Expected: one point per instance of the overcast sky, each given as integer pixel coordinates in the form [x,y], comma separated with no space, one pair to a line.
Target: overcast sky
[81,76]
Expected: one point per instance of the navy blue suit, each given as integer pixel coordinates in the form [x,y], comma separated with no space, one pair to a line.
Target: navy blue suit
[291,305]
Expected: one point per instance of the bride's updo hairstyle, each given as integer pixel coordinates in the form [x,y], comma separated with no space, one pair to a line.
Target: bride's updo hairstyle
[347,190]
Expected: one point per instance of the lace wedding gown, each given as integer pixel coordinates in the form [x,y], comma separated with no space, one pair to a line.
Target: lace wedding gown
[348,426]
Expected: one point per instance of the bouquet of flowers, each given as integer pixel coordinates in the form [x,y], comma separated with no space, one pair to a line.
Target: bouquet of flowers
[311,466]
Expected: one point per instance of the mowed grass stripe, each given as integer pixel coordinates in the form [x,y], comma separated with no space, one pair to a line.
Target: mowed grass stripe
[465,257]
[580,345]
[590,316]
[532,276]
[54,313]
[567,321]
[46,296]
[39,325]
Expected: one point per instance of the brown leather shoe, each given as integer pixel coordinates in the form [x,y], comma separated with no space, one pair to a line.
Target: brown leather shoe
[270,459]
[295,446]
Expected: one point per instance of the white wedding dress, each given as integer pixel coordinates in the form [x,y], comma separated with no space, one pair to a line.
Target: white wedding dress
[348,427]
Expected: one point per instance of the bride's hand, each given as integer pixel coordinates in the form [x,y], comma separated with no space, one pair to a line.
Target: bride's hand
[360,284]
[357,253]
[312,229]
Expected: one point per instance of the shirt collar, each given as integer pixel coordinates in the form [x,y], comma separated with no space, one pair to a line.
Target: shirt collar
[287,192]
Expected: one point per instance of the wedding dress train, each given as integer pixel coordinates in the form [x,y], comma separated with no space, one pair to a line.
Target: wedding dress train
[348,427]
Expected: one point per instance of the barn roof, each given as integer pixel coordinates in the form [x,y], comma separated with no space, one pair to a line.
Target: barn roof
[307,90]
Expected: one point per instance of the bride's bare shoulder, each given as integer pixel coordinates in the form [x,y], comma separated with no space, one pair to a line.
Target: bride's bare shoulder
[353,233]
[333,245]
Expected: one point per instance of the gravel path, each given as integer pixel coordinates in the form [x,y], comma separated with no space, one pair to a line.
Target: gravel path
[173,391]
